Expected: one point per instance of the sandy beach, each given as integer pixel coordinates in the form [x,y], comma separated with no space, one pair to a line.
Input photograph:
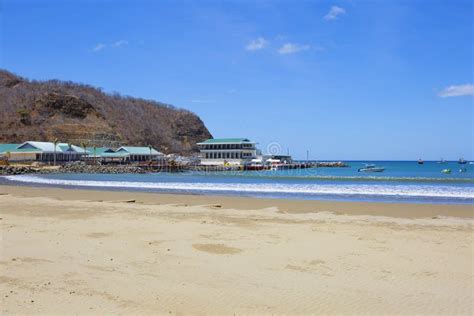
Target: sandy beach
[95,252]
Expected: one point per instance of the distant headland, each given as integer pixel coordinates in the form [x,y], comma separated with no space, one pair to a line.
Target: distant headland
[79,113]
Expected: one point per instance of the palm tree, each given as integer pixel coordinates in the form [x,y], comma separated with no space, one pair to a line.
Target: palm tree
[84,146]
[149,147]
[55,142]
[69,150]
[95,154]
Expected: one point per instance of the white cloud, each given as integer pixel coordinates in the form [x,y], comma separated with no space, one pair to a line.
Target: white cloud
[456,91]
[120,43]
[102,46]
[334,12]
[99,47]
[291,48]
[257,44]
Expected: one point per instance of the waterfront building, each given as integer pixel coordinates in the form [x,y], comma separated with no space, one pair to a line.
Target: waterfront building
[134,154]
[105,155]
[5,149]
[41,151]
[45,151]
[227,151]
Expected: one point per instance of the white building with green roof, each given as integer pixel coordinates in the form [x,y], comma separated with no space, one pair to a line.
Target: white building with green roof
[227,151]
[41,151]
[140,153]
[62,152]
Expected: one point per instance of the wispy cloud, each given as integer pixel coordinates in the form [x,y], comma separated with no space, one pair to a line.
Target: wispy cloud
[291,48]
[334,13]
[120,43]
[99,47]
[116,44]
[457,91]
[257,44]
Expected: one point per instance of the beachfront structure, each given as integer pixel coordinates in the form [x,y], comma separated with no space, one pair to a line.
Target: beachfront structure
[45,151]
[6,149]
[105,155]
[41,151]
[227,151]
[140,153]
[123,154]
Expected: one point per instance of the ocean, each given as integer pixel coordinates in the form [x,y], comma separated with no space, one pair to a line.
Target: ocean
[402,181]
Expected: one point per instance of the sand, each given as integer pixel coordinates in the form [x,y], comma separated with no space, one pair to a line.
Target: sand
[93,252]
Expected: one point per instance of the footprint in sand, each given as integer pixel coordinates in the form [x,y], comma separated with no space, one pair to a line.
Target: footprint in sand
[220,249]
[313,266]
[98,235]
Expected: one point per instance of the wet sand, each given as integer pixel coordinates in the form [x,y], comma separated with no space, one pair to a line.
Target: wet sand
[402,210]
[85,251]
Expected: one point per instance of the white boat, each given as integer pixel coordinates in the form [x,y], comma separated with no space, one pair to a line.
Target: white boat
[446,171]
[371,168]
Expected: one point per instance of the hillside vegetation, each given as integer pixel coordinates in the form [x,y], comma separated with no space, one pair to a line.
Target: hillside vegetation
[76,113]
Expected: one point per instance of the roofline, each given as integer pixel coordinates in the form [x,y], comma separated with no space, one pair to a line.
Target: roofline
[125,148]
[219,143]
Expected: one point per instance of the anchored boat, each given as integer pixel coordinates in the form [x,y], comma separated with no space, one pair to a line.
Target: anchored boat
[371,168]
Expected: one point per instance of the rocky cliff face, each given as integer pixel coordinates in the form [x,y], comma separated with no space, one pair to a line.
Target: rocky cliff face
[76,113]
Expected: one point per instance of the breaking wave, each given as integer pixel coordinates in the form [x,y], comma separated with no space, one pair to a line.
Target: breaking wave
[297,189]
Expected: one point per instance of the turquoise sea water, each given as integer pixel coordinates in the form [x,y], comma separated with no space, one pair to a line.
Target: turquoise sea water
[402,181]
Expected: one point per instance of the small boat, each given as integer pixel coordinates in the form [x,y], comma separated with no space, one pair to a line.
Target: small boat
[463,170]
[461,161]
[371,168]
[420,161]
[254,167]
[446,171]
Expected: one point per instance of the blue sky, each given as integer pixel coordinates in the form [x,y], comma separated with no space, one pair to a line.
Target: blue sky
[342,79]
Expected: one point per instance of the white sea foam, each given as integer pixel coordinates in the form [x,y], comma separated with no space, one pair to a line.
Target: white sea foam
[438,191]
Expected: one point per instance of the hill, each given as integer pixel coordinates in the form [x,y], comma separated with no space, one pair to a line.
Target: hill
[76,113]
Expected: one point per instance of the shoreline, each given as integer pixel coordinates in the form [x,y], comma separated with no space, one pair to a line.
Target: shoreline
[291,206]
[102,252]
